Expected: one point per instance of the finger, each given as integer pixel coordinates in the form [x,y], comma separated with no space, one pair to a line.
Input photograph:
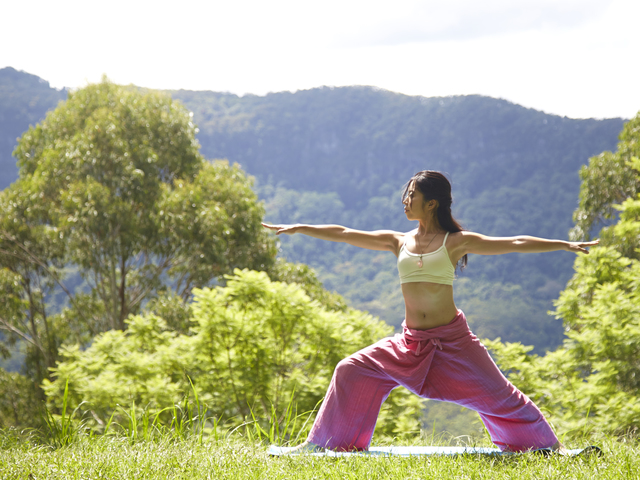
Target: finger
[577,247]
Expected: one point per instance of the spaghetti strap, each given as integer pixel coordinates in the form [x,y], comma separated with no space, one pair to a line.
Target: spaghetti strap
[445,239]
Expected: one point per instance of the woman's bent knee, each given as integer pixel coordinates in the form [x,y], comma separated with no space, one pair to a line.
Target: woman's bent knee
[346,367]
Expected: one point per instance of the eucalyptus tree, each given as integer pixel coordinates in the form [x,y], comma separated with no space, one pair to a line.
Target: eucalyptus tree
[31,260]
[112,184]
[607,181]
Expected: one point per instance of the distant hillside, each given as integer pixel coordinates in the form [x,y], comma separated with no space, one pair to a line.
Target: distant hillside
[341,155]
[24,100]
[355,140]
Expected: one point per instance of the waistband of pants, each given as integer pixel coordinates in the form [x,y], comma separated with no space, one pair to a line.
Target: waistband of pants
[456,328]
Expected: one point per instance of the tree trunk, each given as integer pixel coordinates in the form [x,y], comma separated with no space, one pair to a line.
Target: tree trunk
[124,310]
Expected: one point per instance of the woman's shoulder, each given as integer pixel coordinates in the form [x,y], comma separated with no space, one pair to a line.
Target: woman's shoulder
[410,233]
[461,235]
[457,239]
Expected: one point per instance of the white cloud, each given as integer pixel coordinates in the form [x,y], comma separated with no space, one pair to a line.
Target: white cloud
[436,20]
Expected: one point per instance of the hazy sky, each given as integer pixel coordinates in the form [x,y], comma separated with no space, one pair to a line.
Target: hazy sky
[577,58]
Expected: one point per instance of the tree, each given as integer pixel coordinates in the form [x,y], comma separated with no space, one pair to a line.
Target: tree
[608,180]
[31,259]
[20,401]
[253,344]
[117,176]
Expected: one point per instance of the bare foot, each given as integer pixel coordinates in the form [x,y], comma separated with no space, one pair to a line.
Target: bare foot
[306,447]
[559,448]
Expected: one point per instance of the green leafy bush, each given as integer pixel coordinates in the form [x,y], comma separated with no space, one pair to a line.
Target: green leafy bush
[253,344]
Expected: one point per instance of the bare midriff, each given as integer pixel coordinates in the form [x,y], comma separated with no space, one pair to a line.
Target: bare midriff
[428,305]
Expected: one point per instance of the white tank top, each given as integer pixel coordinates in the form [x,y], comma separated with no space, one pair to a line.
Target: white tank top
[433,267]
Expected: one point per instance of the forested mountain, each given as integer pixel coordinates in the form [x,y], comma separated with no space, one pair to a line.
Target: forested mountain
[24,100]
[341,155]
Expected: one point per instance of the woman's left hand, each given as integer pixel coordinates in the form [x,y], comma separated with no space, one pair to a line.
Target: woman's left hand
[288,229]
[581,246]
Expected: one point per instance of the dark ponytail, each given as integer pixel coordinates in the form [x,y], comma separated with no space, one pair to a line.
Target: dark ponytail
[435,186]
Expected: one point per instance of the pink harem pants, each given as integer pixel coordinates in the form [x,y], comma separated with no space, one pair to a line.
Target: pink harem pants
[446,363]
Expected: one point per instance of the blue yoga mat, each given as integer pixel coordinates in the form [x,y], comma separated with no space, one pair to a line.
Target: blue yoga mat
[420,451]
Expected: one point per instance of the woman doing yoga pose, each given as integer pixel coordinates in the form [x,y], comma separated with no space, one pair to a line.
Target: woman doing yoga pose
[436,356]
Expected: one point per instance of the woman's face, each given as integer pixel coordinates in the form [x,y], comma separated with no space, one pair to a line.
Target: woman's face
[413,202]
[415,206]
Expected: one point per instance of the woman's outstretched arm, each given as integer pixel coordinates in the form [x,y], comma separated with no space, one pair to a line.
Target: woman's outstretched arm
[386,240]
[470,242]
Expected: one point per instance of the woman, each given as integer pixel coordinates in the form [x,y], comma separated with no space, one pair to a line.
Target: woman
[436,356]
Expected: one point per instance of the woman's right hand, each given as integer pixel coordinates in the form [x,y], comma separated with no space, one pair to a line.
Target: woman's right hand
[288,229]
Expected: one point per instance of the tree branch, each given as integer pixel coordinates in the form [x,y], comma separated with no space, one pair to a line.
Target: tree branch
[4,325]
[35,259]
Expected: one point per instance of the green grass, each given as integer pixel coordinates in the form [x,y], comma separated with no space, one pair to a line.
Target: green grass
[237,457]
[190,444]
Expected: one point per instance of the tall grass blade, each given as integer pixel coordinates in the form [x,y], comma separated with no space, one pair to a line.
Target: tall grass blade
[63,431]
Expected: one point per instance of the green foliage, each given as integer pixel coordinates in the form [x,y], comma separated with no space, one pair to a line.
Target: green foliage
[401,417]
[496,310]
[608,180]
[63,428]
[442,419]
[173,310]
[305,276]
[117,175]
[20,401]
[30,264]
[252,345]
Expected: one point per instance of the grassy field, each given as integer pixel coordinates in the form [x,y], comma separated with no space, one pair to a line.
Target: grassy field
[238,458]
